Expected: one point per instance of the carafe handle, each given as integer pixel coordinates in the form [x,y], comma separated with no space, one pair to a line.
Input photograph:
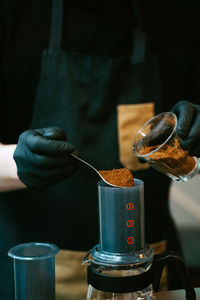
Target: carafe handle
[170,257]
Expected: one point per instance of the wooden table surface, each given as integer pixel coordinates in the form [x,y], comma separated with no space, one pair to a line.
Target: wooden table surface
[71,279]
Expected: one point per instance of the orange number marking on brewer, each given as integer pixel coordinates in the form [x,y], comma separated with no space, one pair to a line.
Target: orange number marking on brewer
[130,223]
[130,240]
[129,206]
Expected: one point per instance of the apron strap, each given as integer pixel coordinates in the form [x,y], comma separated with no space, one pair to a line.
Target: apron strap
[138,47]
[56,24]
[139,37]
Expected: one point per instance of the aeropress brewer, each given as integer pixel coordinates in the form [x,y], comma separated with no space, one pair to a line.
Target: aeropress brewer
[122,266]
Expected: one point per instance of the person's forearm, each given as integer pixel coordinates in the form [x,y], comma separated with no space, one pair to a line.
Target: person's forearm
[9,179]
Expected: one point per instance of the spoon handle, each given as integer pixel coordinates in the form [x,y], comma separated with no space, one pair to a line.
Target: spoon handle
[83,161]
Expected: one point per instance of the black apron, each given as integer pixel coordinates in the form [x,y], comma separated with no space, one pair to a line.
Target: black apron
[80,93]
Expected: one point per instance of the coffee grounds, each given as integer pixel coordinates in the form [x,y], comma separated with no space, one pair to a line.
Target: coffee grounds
[171,158]
[119,177]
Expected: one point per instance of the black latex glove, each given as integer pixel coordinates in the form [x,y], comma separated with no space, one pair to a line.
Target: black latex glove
[188,127]
[42,157]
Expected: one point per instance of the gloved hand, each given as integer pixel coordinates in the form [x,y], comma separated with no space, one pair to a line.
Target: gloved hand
[42,157]
[188,127]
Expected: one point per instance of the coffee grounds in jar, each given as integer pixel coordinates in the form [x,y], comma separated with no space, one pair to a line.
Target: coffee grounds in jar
[171,158]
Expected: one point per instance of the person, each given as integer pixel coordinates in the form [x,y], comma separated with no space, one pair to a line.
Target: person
[106,68]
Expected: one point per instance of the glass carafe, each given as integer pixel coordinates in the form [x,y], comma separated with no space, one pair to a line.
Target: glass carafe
[144,294]
[119,283]
[135,282]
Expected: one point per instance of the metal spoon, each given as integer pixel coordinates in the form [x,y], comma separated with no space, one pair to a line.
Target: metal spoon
[83,161]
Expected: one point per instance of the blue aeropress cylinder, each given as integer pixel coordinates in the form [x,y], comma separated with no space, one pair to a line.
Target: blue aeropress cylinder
[121,224]
[121,218]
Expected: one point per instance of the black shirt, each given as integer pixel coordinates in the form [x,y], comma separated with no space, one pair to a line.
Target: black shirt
[101,28]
